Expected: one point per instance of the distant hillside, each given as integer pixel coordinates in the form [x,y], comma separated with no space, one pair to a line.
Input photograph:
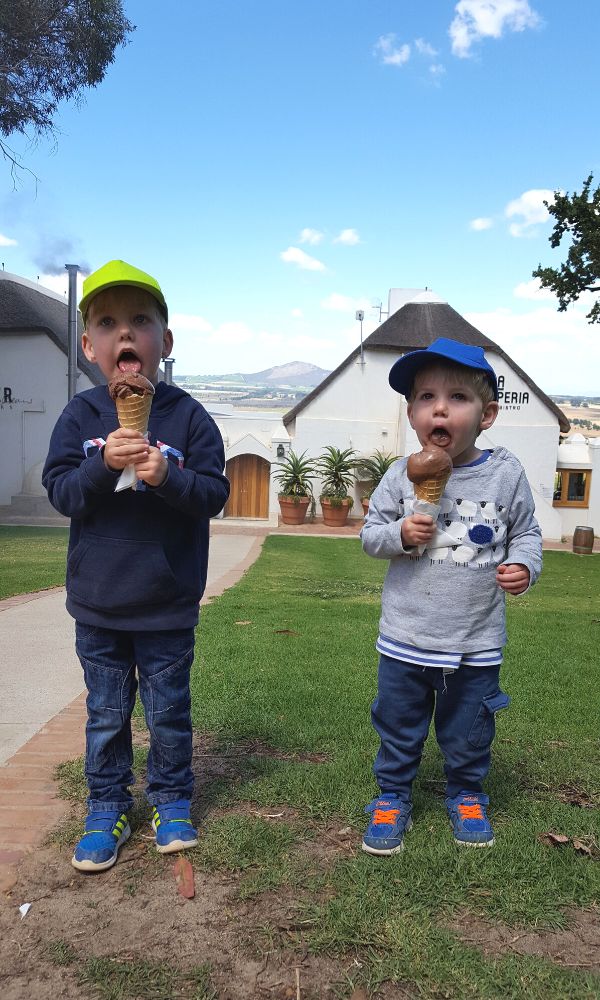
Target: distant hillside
[294,373]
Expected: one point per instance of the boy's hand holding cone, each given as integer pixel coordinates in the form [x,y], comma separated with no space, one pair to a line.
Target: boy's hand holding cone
[132,394]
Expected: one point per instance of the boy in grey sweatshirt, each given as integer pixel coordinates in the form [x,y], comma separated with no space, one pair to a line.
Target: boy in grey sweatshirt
[442,626]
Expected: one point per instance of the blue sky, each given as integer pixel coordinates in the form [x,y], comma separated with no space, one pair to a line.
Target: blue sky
[279,165]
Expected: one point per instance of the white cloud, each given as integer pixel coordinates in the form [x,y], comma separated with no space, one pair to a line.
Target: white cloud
[349,237]
[530,206]
[478,225]
[60,283]
[532,290]
[297,314]
[477,19]
[437,69]
[189,323]
[556,349]
[389,53]
[425,49]
[294,255]
[344,303]
[312,236]
[5,241]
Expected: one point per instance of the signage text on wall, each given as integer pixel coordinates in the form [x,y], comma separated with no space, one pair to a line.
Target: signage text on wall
[510,399]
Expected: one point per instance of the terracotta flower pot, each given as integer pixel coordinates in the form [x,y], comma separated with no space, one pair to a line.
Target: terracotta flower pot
[293,509]
[335,514]
[365,505]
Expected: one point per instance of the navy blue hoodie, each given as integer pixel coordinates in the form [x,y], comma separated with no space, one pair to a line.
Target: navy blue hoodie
[137,559]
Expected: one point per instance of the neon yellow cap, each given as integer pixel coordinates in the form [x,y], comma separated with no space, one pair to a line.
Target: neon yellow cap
[118,272]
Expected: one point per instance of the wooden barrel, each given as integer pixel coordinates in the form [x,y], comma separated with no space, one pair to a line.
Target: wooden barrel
[583,540]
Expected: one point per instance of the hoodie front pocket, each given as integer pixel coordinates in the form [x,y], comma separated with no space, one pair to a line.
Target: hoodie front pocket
[115,574]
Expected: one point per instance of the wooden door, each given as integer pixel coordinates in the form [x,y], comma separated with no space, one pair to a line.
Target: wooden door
[249,478]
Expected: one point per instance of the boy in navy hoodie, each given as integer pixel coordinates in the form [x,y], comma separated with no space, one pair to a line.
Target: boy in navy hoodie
[136,566]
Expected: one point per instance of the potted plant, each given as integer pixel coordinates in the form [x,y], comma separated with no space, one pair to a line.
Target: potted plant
[336,469]
[295,487]
[371,471]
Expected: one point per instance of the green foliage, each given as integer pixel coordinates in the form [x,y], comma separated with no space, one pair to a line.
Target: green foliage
[373,469]
[336,469]
[50,51]
[296,475]
[578,217]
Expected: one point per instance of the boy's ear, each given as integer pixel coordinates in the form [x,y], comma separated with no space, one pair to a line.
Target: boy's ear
[488,416]
[167,345]
[87,347]
[409,414]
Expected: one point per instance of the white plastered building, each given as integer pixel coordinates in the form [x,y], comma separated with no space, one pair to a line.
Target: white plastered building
[353,407]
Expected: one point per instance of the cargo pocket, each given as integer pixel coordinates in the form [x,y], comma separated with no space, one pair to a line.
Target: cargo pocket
[483,729]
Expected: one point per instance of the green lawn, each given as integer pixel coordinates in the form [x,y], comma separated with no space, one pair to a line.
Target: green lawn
[31,559]
[287,659]
[282,684]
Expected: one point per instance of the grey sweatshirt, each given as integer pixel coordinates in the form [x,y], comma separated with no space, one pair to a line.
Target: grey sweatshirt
[444,596]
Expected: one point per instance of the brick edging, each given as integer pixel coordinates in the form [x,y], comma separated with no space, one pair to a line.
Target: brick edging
[12,602]
[29,804]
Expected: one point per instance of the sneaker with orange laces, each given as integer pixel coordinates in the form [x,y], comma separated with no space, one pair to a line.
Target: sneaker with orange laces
[390,819]
[468,817]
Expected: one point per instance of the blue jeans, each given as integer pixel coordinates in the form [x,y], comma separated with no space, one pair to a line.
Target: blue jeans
[163,659]
[463,705]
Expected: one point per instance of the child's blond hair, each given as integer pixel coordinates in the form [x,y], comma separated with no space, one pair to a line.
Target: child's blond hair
[473,377]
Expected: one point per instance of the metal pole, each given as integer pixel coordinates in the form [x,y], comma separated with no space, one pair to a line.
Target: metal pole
[168,365]
[72,373]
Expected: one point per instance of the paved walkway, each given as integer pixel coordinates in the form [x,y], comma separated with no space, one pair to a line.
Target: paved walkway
[42,701]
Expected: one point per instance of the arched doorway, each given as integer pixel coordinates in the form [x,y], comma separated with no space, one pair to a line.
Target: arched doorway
[249,476]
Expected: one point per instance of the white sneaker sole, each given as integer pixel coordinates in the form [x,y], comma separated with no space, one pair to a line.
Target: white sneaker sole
[93,866]
[385,852]
[175,845]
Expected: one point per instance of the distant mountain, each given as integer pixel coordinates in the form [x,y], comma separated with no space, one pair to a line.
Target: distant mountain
[293,373]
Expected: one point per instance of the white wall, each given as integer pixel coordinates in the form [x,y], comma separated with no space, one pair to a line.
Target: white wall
[34,377]
[589,517]
[356,410]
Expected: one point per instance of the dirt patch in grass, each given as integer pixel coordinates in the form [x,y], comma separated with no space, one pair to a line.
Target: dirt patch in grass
[128,933]
[575,947]
[132,915]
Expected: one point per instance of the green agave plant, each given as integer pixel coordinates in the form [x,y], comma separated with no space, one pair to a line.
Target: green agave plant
[296,476]
[373,469]
[336,469]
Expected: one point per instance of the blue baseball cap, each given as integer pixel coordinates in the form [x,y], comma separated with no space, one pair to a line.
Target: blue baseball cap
[402,374]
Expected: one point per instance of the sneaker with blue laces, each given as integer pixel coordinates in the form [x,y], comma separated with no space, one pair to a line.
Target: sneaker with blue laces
[391,817]
[468,817]
[173,827]
[105,833]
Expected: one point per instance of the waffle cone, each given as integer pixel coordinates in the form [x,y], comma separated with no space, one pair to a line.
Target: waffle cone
[431,490]
[134,411]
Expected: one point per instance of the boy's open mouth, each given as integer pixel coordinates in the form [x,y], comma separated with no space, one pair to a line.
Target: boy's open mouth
[440,437]
[129,362]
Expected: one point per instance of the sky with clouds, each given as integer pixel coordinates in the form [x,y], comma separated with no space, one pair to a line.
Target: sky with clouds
[280,166]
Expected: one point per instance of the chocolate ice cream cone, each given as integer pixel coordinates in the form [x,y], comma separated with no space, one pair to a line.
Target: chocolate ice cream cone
[431,490]
[429,470]
[132,394]
[133,412]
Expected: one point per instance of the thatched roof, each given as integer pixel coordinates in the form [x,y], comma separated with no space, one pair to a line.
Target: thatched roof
[416,325]
[28,308]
